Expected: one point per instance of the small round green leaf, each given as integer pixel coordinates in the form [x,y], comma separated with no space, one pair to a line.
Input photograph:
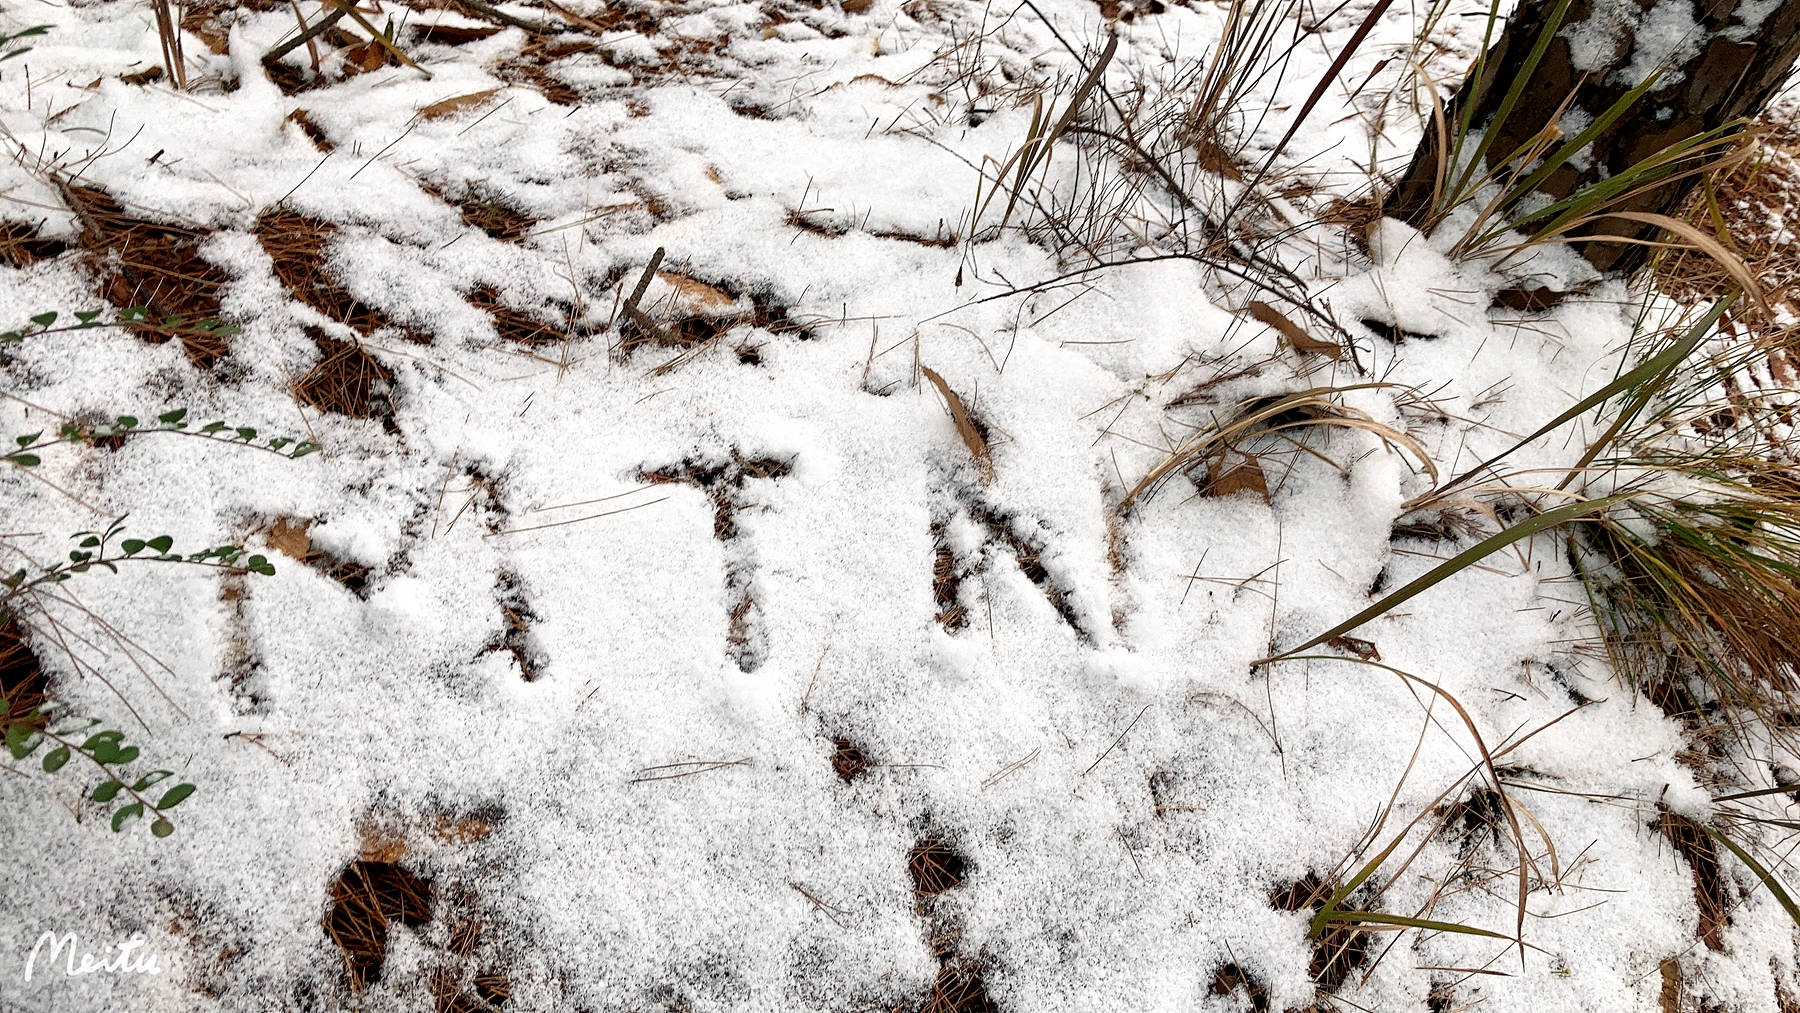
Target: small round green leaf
[162,828]
[106,791]
[55,758]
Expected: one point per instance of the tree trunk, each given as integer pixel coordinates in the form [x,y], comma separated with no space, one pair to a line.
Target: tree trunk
[1721,63]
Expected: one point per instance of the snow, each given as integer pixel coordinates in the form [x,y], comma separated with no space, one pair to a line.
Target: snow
[1126,781]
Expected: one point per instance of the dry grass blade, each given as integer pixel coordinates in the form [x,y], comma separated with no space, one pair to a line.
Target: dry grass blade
[1257,416]
[965,424]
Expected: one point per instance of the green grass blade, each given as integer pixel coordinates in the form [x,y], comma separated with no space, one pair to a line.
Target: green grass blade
[1647,370]
[1377,918]
[1759,793]
[1538,47]
[1461,561]
[1767,877]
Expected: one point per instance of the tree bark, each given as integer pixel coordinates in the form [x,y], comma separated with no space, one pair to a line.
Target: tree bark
[1721,62]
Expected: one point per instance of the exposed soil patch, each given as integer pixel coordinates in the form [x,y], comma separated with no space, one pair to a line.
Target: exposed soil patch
[453,35]
[347,380]
[516,620]
[1394,332]
[531,74]
[946,581]
[701,312]
[1476,821]
[935,866]
[297,245]
[958,988]
[516,325]
[1694,845]
[490,212]
[314,133]
[153,266]
[848,760]
[725,485]
[366,899]
[1233,980]
[21,246]
[1027,551]
[291,536]
[1341,950]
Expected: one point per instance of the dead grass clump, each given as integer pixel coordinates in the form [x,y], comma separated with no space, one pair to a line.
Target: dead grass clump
[23,686]
[1341,950]
[1231,980]
[21,246]
[848,760]
[297,245]
[1247,425]
[1747,206]
[958,988]
[153,266]
[1695,846]
[935,866]
[347,380]
[1704,587]
[516,325]
[365,899]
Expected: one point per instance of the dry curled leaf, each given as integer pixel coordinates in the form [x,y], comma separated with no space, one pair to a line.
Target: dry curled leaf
[965,424]
[456,104]
[1296,335]
[1363,649]
[365,57]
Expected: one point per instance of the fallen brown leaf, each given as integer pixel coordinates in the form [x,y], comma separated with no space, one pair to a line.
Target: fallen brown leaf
[289,538]
[1296,335]
[1243,473]
[965,424]
[696,296]
[456,104]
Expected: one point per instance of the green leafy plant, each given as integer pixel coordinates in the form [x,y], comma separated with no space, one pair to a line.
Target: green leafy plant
[132,316]
[26,455]
[106,750]
[29,726]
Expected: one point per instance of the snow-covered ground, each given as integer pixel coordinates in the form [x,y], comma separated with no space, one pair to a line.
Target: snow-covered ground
[668,675]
